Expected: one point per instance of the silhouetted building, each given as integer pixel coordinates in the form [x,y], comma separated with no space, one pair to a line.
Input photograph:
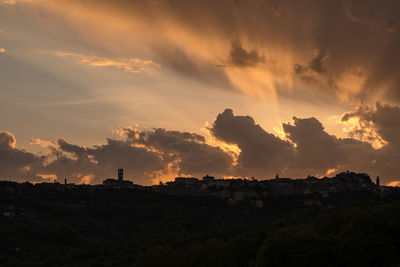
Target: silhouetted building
[279,179]
[377,181]
[208,178]
[186,182]
[120,174]
[117,182]
[311,179]
[110,181]
[354,178]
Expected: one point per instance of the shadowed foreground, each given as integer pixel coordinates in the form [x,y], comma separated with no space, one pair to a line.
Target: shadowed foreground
[138,227]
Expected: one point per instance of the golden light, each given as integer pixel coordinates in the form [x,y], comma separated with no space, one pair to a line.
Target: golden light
[394,184]
[232,149]
[86,179]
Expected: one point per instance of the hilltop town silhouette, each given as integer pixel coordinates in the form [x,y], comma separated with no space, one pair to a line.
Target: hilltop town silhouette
[233,189]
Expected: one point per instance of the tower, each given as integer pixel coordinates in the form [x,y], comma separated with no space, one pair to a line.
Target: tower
[377,181]
[120,174]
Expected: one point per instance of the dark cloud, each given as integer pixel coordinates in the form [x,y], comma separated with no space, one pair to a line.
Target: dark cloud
[317,63]
[383,14]
[193,68]
[74,149]
[261,154]
[316,150]
[310,73]
[239,57]
[309,149]
[16,164]
[7,140]
[305,73]
[187,151]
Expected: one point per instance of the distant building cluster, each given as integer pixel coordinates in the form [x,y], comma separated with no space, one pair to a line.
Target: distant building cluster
[235,190]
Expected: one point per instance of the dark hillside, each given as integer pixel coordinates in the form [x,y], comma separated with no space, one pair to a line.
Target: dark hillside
[95,226]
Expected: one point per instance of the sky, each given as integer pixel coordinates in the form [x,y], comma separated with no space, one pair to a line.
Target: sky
[165,88]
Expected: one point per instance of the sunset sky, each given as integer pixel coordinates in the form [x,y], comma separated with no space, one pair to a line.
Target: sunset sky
[165,88]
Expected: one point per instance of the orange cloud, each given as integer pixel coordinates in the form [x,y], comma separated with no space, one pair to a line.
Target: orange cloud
[171,171]
[231,149]
[13,2]
[330,171]
[42,143]
[363,128]
[2,50]
[86,179]
[132,65]
[50,177]
[394,184]
[254,49]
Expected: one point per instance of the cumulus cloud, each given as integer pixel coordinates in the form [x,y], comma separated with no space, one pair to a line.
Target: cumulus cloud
[261,153]
[307,149]
[380,123]
[146,157]
[7,140]
[376,122]
[149,155]
[42,143]
[319,153]
[16,163]
[316,150]
[184,152]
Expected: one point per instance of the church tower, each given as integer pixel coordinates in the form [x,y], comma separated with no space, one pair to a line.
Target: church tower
[120,175]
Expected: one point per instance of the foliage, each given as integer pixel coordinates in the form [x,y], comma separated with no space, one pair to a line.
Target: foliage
[143,228]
